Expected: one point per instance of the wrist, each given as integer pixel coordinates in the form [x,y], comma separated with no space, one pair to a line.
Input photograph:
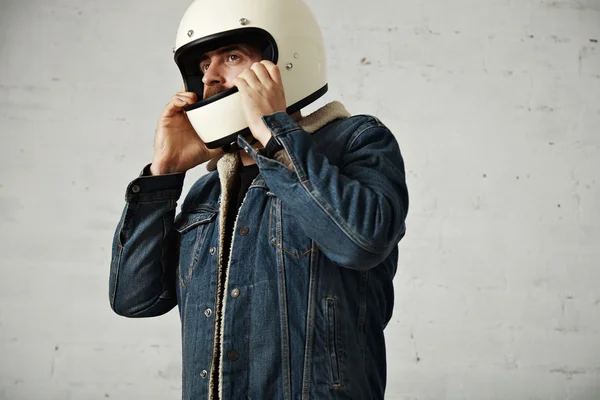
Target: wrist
[158,168]
[271,148]
[262,134]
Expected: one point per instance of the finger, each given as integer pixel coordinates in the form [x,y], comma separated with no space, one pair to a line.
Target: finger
[262,74]
[171,109]
[251,79]
[273,70]
[186,98]
[176,105]
[191,96]
[241,84]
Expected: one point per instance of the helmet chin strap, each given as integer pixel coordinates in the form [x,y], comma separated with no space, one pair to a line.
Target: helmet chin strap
[231,148]
[234,146]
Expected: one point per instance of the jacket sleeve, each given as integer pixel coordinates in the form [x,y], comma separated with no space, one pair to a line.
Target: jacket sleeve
[355,210]
[145,248]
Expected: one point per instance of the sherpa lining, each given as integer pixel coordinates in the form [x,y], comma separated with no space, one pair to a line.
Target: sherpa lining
[227,168]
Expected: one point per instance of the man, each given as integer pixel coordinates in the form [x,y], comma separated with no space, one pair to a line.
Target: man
[281,261]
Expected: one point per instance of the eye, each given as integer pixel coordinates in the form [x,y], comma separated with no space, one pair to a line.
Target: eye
[233,57]
[204,67]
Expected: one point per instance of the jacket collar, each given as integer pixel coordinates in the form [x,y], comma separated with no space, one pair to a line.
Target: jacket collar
[226,164]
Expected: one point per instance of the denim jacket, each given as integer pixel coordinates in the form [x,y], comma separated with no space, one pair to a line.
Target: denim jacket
[300,309]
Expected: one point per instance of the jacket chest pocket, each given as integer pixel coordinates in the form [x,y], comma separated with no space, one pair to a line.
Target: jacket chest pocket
[193,227]
[285,232]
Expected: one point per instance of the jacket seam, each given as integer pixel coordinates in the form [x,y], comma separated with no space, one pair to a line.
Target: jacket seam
[356,239]
[376,124]
[310,324]
[282,293]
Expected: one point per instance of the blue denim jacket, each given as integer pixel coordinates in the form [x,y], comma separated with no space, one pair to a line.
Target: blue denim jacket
[308,288]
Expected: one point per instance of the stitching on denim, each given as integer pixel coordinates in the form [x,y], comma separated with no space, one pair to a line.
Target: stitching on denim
[120,243]
[116,279]
[355,238]
[373,120]
[310,323]
[293,160]
[273,240]
[290,130]
[152,303]
[281,286]
[117,262]
[359,241]
[289,252]
[362,313]
[199,245]
[156,196]
[162,248]
[183,341]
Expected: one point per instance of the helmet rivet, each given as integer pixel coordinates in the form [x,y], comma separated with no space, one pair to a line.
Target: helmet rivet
[190,33]
[296,55]
[244,21]
[289,66]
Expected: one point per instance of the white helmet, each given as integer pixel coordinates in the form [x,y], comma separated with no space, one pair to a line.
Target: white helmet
[287,33]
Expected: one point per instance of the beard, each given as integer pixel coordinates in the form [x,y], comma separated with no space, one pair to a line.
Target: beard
[212,90]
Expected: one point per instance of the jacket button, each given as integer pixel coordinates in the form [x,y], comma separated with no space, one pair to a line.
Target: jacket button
[213,251]
[135,188]
[233,355]
[208,312]
[203,374]
[235,293]
[244,230]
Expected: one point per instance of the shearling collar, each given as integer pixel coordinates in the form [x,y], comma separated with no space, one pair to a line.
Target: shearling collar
[324,115]
[311,123]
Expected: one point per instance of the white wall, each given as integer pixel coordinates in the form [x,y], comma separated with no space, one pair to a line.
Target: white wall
[495,104]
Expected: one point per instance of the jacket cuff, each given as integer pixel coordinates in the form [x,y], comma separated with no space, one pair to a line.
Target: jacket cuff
[155,188]
[280,123]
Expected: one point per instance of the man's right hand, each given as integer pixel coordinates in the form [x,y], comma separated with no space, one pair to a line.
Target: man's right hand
[177,146]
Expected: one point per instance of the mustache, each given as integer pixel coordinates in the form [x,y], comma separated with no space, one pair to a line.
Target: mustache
[212,90]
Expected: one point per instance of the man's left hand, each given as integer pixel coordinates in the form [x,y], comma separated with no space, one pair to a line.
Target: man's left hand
[262,94]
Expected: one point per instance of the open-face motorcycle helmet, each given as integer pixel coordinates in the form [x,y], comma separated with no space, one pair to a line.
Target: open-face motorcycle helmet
[285,31]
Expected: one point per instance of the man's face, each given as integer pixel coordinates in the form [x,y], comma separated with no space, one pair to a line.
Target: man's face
[220,67]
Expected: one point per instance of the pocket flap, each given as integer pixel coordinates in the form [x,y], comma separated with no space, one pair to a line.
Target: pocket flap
[189,219]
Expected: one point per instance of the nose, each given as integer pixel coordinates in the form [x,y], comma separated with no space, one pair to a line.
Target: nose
[212,76]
